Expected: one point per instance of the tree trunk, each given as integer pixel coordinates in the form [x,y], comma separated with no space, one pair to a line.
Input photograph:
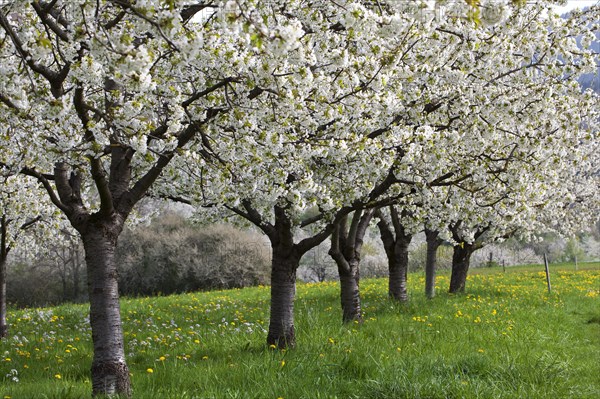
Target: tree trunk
[3,324]
[110,374]
[461,258]
[283,292]
[3,255]
[350,293]
[433,243]
[398,269]
[346,248]
[395,243]
[286,256]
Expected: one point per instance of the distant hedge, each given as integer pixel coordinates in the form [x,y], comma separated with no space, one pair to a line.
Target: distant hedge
[172,255]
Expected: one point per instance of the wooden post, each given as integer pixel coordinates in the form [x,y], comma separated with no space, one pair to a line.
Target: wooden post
[575,262]
[503,265]
[547,273]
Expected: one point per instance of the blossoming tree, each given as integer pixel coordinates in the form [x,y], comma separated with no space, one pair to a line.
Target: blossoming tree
[97,98]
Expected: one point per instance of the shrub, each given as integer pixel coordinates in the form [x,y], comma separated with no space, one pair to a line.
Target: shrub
[172,255]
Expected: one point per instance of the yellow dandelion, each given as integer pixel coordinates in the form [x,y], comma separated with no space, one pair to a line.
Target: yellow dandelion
[480,350]
[57,376]
[196,341]
[149,371]
[282,363]
[162,358]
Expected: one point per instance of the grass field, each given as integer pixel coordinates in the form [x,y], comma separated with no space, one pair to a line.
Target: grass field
[505,338]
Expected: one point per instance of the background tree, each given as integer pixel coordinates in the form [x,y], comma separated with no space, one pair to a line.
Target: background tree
[434,241]
[396,237]
[19,212]
[346,246]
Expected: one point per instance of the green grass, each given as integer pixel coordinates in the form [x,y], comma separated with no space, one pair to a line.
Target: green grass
[506,338]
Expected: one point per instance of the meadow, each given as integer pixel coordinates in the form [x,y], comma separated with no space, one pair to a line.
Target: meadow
[506,337]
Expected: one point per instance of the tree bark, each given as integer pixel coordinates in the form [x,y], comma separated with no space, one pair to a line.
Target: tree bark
[433,243]
[286,255]
[110,374]
[346,248]
[398,269]
[3,323]
[396,244]
[282,333]
[3,255]
[461,258]
[350,294]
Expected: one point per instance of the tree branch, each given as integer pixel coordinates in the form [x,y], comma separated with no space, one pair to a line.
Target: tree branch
[54,78]
[335,252]
[46,183]
[209,90]
[43,14]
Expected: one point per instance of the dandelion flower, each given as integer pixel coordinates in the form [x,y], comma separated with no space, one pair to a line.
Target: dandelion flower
[57,376]
[149,371]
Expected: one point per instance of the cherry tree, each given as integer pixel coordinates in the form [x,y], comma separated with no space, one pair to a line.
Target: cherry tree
[98,97]
[502,151]
[346,246]
[324,130]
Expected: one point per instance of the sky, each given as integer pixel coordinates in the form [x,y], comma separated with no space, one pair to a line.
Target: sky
[575,4]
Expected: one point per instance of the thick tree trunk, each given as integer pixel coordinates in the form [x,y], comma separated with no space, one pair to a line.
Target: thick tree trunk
[283,292]
[3,323]
[350,293]
[346,247]
[286,256]
[110,374]
[461,258]
[398,269]
[3,255]
[395,243]
[433,243]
